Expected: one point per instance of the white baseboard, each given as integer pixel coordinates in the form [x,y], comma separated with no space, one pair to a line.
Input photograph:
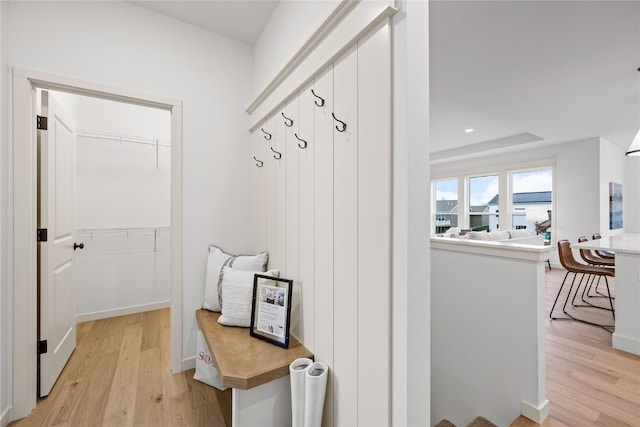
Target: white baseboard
[6,417]
[628,344]
[97,315]
[189,363]
[536,414]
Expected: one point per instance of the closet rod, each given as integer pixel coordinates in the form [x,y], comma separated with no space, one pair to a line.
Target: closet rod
[122,138]
[123,232]
[116,231]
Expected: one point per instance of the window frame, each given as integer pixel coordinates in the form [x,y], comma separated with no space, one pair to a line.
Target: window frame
[505,184]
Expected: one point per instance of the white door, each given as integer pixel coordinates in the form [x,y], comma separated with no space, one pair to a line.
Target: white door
[56,266]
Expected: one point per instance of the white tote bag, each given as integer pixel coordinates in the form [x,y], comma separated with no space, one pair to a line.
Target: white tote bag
[206,372]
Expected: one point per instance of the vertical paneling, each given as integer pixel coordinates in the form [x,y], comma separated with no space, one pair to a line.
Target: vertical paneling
[322,298]
[270,165]
[292,188]
[259,193]
[328,225]
[374,221]
[306,216]
[345,255]
[280,145]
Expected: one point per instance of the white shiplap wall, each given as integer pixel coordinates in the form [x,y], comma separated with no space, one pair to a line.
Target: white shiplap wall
[324,215]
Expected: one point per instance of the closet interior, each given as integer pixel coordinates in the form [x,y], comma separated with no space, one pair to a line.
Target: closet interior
[123,204]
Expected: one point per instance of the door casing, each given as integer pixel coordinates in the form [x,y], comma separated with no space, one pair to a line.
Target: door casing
[24,207]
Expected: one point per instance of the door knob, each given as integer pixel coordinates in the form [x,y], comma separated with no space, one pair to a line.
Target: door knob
[76,246]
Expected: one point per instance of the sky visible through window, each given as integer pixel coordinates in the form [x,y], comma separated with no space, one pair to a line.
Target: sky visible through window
[485,188]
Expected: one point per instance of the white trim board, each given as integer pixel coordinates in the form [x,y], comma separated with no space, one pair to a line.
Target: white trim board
[535,414]
[188,363]
[5,417]
[340,30]
[23,256]
[105,314]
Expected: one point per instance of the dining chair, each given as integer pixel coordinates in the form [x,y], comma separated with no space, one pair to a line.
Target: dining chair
[576,268]
[603,254]
[591,259]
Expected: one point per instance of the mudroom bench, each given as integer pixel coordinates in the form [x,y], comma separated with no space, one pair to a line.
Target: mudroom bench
[256,371]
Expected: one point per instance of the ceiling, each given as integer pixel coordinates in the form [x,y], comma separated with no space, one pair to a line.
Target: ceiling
[529,72]
[240,19]
[517,72]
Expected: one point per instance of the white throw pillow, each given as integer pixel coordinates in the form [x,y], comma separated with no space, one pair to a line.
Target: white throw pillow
[218,259]
[514,234]
[476,235]
[237,293]
[493,235]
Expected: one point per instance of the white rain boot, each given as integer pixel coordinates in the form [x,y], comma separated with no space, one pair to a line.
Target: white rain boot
[315,387]
[297,372]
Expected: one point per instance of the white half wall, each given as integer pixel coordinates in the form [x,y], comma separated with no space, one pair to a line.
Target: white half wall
[121,45]
[488,349]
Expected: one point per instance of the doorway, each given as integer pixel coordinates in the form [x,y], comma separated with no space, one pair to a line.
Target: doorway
[123,203]
[24,263]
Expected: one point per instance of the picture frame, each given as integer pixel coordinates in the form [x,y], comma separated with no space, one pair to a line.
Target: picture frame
[615,206]
[271,309]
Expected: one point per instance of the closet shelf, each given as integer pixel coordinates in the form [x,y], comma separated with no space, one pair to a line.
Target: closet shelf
[120,231]
[121,138]
[116,137]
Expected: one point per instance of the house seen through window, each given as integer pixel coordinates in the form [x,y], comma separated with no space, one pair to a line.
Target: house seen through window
[529,200]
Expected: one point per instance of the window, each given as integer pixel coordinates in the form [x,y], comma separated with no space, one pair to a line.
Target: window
[446,205]
[483,202]
[531,199]
[525,195]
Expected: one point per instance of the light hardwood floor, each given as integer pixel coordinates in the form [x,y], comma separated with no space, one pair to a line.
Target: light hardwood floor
[119,376]
[588,383]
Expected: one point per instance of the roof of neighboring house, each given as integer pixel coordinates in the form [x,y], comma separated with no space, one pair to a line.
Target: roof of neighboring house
[531,197]
[478,208]
[443,206]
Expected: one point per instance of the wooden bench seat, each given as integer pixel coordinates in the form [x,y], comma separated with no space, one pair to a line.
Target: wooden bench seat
[244,362]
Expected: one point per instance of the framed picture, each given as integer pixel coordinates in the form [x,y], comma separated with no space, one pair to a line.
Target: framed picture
[271,309]
[615,206]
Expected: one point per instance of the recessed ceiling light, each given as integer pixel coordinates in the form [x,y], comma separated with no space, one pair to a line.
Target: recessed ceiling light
[469,130]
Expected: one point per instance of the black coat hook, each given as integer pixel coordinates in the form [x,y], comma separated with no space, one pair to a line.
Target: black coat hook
[267,135]
[259,163]
[302,147]
[344,125]
[316,101]
[287,121]
[277,154]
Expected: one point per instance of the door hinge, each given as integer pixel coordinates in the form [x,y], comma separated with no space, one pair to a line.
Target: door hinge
[42,235]
[42,347]
[41,123]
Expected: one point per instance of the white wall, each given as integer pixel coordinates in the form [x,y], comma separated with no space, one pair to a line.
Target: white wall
[612,169]
[290,25]
[576,183]
[5,291]
[121,45]
[119,184]
[411,307]
[411,195]
[631,195]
